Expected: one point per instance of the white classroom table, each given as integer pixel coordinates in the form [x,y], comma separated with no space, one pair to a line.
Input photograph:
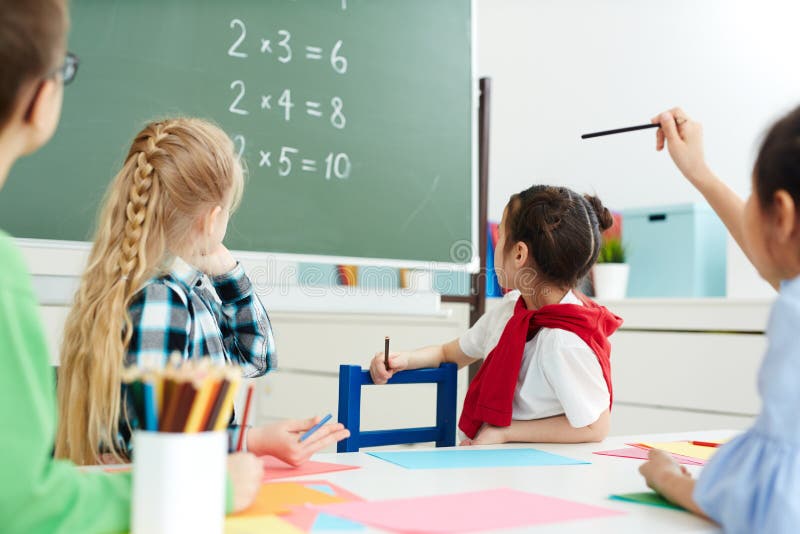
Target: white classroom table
[589,484]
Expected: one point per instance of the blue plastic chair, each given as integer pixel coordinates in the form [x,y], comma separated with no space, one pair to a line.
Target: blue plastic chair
[352,377]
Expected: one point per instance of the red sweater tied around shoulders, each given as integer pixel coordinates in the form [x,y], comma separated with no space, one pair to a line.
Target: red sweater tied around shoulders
[491,393]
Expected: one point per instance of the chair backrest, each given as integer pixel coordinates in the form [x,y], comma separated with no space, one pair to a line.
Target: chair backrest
[352,377]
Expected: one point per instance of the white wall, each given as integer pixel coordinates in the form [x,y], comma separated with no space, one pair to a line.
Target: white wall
[561,68]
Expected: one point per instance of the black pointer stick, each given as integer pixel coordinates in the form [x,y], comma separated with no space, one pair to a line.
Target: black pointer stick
[620,130]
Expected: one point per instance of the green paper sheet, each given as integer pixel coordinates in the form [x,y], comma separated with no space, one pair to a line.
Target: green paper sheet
[646,497]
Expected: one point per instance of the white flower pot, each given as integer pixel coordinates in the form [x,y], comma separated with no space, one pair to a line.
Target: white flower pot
[610,280]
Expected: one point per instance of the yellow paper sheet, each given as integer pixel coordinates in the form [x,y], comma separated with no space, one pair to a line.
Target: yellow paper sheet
[259,525]
[279,497]
[684,448]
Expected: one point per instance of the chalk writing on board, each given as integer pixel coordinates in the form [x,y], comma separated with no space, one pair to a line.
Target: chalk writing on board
[337,165]
[233,50]
[281,48]
[238,87]
[313,110]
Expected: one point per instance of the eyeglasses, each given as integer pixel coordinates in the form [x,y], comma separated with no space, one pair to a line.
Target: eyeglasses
[66,72]
[68,69]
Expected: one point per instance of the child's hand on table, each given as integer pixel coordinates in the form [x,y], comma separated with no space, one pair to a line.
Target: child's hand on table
[246,472]
[398,361]
[660,465]
[282,439]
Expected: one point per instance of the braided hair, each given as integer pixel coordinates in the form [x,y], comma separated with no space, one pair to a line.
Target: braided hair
[175,169]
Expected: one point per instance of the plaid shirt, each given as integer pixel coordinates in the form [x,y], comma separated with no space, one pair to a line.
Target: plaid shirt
[195,315]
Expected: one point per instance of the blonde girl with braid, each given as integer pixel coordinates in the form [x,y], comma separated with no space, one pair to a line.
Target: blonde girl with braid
[159,280]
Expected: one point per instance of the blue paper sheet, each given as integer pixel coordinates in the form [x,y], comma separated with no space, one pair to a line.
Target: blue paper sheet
[331,522]
[464,457]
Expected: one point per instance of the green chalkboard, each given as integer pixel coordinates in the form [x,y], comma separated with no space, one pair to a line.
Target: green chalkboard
[370,103]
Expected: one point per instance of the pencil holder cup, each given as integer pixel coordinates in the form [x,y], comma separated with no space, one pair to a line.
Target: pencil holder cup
[178,482]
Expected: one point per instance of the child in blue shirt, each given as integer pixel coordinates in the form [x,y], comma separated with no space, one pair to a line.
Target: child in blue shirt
[752,484]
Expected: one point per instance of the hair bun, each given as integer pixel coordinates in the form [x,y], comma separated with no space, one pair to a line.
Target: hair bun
[604,217]
[545,210]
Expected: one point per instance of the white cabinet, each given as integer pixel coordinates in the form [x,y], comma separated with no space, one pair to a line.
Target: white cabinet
[686,364]
[690,370]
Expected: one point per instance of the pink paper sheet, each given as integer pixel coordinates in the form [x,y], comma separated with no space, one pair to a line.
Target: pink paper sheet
[275,469]
[642,454]
[465,512]
[678,457]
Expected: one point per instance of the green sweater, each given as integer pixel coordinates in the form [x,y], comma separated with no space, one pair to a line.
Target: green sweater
[38,493]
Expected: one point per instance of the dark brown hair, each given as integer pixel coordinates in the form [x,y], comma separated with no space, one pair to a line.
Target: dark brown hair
[32,39]
[778,163]
[561,229]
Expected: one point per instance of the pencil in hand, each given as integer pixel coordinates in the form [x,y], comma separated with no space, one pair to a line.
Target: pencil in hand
[244,418]
[386,353]
[316,427]
[620,130]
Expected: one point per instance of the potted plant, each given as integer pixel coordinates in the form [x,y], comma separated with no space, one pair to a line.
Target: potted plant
[611,272]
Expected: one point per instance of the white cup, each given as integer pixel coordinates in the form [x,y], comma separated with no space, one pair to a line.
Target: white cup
[178,482]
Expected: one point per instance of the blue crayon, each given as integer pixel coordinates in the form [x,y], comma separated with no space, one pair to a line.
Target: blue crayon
[315,427]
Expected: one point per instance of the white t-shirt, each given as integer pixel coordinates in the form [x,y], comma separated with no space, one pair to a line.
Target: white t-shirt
[560,373]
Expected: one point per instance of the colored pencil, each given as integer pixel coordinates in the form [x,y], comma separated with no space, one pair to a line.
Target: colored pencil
[243,425]
[226,411]
[315,427]
[620,130]
[705,444]
[212,398]
[150,409]
[136,393]
[184,406]
[183,396]
[171,407]
[386,353]
[199,409]
[216,407]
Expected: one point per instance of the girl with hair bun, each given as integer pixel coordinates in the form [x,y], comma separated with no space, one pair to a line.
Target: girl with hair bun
[547,373]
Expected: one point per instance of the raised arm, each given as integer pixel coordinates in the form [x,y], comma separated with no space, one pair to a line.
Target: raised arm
[683,138]
[244,323]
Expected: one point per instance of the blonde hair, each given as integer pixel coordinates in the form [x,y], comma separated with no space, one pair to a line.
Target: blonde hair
[175,171]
